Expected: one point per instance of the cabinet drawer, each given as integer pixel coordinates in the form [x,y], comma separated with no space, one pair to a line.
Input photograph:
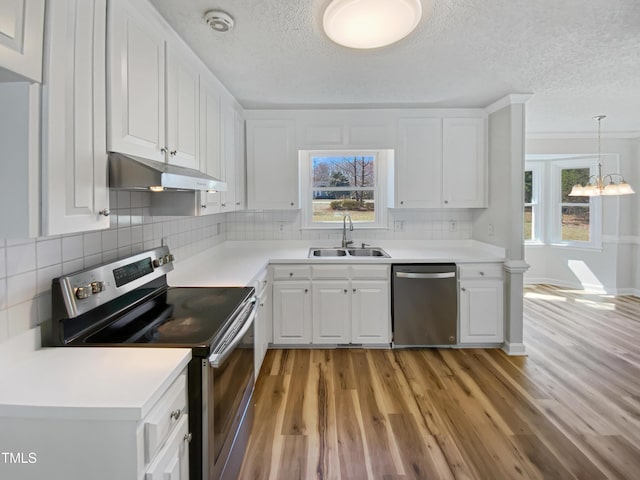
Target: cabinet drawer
[291,272]
[468,271]
[164,415]
[330,272]
[370,272]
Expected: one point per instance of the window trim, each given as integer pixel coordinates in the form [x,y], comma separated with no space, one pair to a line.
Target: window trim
[380,192]
[556,204]
[537,227]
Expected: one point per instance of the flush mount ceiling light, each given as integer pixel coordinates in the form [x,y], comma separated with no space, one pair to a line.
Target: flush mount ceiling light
[218,20]
[370,23]
[602,185]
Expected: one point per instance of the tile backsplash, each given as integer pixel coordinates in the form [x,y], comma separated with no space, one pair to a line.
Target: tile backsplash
[403,225]
[27,266]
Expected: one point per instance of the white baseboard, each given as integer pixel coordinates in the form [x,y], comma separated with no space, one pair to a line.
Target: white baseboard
[514,349]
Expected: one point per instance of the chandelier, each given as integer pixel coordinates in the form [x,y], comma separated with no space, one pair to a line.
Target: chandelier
[602,185]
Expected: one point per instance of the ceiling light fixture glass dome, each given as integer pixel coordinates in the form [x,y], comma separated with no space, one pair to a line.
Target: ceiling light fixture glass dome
[370,23]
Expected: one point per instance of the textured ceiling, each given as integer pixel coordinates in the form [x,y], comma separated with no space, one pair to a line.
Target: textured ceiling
[579,57]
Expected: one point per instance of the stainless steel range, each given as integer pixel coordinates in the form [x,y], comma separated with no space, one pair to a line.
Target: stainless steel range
[128,303]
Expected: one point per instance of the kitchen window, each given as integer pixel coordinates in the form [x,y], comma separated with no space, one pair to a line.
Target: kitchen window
[339,183]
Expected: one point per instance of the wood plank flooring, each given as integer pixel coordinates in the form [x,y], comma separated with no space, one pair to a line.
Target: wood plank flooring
[569,410]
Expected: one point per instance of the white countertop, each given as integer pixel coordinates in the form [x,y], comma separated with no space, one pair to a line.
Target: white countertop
[89,383]
[237,263]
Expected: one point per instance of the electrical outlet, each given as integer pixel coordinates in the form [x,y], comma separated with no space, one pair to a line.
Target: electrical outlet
[218,228]
[282,227]
[490,230]
[453,226]
[399,225]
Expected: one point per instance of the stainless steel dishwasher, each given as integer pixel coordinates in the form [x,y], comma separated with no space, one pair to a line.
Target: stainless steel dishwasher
[425,305]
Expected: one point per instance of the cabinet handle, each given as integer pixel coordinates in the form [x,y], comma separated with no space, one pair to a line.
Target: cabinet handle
[203,206]
[173,153]
[446,201]
[163,150]
[354,290]
[292,204]
[306,290]
[401,202]
[187,438]
[291,274]
[176,414]
[463,289]
[237,203]
[345,290]
[482,274]
[262,304]
[105,211]
[223,204]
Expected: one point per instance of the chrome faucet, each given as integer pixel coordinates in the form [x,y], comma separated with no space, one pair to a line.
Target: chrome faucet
[345,242]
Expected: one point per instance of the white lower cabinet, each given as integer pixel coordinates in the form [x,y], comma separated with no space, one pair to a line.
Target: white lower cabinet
[331,302]
[291,312]
[172,462]
[335,304]
[370,322]
[263,327]
[481,304]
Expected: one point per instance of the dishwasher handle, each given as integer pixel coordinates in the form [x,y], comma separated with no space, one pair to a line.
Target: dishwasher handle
[425,275]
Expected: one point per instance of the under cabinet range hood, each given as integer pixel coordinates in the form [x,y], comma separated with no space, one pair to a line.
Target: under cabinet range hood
[127,172]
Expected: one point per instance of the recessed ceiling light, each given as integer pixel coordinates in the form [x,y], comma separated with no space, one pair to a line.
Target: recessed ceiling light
[218,20]
[370,23]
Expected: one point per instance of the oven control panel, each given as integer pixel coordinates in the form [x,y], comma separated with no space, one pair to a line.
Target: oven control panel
[89,288]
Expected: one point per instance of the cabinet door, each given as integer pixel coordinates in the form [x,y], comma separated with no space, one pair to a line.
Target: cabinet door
[172,462]
[464,163]
[210,162]
[481,311]
[74,162]
[331,311]
[272,165]
[262,326]
[240,164]
[136,83]
[182,109]
[291,312]
[21,36]
[370,318]
[419,163]
[228,140]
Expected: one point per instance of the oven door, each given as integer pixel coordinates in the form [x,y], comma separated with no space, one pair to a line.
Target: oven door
[228,411]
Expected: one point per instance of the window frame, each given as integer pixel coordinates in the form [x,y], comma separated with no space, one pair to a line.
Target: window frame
[381,158]
[536,204]
[594,205]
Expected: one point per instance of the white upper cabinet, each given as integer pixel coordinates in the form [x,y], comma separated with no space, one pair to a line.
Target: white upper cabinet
[136,83]
[228,153]
[75,195]
[272,164]
[21,39]
[210,162]
[241,164]
[182,109]
[419,163]
[464,165]
[441,163]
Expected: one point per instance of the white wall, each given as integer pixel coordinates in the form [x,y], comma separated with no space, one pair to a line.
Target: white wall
[614,267]
[27,266]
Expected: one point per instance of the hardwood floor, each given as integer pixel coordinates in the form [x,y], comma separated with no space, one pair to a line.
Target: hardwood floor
[569,410]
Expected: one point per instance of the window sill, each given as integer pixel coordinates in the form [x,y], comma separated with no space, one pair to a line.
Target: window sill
[534,243]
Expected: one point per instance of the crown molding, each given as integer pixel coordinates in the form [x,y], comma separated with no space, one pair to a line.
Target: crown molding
[511,99]
[581,135]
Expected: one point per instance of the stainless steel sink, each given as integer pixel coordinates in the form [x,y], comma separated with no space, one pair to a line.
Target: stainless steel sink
[327,252]
[345,253]
[368,252]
